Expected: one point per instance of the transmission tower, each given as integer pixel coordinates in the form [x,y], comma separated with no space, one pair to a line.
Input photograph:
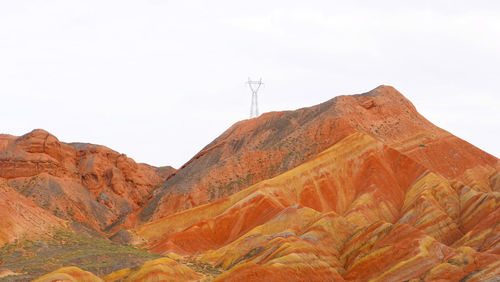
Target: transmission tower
[254,87]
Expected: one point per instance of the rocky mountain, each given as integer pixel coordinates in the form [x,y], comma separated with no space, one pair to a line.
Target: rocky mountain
[257,149]
[359,188]
[88,184]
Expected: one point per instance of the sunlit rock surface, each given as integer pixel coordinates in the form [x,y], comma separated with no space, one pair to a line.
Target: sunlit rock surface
[85,183]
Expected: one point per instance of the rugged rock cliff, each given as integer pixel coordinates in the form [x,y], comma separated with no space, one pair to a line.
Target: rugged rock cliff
[85,183]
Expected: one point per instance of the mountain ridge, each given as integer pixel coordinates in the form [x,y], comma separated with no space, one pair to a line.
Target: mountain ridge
[223,166]
[82,177]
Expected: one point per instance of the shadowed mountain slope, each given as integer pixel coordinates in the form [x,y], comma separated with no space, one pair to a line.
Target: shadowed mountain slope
[20,218]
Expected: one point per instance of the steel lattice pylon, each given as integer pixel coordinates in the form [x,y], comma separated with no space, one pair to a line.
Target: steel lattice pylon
[254,87]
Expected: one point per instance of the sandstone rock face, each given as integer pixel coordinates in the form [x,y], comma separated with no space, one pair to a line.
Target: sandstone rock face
[20,218]
[81,182]
[257,149]
[360,210]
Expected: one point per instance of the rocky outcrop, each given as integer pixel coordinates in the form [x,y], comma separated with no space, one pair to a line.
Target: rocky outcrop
[81,182]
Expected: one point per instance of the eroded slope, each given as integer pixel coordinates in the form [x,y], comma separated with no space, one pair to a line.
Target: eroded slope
[85,183]
[358,211]
[258,149]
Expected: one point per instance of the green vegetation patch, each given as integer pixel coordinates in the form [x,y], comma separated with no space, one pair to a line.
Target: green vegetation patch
[99,256]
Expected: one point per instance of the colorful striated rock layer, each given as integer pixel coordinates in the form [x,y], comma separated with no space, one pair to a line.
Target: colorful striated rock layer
[360,210]
[163,269]
[258,149]
[84,183]
[360,188]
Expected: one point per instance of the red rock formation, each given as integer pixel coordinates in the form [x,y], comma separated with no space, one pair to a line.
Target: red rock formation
[394,198]
[86,183]
[360,210]
[20,218]
[257,149]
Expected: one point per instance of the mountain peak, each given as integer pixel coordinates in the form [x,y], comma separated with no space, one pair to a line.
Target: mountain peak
[38,133]
[261,148]
[384,89]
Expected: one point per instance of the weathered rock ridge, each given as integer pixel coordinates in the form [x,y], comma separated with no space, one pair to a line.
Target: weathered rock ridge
[85,183]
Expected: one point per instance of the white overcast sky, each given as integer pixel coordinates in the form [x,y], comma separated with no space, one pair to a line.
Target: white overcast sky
[158,80]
